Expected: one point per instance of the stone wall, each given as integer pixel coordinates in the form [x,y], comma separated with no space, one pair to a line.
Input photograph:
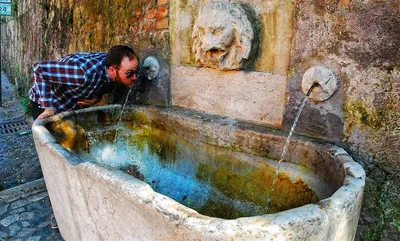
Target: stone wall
[50,29]
[21,41]
[360,41]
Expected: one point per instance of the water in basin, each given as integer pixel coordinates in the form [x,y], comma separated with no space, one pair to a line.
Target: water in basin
[212,180]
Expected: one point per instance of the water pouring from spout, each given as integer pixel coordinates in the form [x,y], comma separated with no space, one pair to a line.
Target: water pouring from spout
[149,71]
[275,178]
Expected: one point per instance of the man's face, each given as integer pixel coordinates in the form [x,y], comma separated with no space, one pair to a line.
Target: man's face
[127,71]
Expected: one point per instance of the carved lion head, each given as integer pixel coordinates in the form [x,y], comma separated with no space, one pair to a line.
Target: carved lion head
[222,36]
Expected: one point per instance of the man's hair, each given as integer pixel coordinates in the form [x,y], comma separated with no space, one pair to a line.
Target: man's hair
[117,53]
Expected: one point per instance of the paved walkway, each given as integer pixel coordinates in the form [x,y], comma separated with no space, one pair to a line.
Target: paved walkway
[25,210]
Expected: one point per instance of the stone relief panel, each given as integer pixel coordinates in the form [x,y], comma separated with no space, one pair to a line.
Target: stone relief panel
[212,39]
[222,36]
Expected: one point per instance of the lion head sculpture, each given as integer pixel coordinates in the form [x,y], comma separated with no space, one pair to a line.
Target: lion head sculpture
[222,36]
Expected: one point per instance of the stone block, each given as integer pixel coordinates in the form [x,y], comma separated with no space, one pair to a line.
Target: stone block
[18,210]
[148,25]
[150,14]
[14,229]
[7,221]
[19,203]
[4,208]
[162,2]
[162,23]
[252,96]
[26,232]
[161,13]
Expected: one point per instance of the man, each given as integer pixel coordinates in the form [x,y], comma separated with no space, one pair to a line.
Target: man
[80,80]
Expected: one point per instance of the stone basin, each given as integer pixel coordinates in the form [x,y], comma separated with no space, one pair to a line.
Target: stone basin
[317,195]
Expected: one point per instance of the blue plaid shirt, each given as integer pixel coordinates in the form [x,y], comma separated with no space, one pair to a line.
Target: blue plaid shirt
[60,84]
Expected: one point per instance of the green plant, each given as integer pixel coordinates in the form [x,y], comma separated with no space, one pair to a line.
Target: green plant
[22,94]
[43,23]
[70,17]
[382,205]
[45,40]
[24,100]
[44,6]
[14,9]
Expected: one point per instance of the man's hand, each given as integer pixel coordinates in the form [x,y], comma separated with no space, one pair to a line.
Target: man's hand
[46,113]
[89,102]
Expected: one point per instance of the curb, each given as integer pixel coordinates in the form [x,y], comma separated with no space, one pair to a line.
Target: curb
[22,191]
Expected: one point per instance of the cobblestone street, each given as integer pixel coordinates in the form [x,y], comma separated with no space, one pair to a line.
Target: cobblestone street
[18,157]
[25,213]
[25,210]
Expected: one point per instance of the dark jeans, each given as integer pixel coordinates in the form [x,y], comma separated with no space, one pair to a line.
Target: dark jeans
[35,109]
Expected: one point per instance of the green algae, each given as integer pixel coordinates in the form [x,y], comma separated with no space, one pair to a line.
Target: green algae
[151,134]
[243,181]
[135,119]
[358,113]
[69,135]
[159,143]
[216,209]
[235,178]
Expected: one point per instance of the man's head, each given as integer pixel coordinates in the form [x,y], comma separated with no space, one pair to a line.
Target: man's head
[222,36]
[122,65]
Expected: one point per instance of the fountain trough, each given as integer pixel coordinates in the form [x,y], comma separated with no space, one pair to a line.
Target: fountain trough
[178,174]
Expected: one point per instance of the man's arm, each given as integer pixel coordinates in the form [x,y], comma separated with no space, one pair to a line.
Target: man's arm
[89,102]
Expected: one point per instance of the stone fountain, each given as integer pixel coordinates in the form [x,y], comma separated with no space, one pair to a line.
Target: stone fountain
[203,168]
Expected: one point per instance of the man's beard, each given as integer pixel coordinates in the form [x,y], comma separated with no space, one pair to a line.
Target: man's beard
[117,78]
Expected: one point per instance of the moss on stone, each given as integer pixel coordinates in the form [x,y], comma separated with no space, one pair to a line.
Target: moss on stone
[358,113]
[146,134]
[135,119]
[241,180]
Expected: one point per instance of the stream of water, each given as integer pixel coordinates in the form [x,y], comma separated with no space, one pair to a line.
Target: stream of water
[284,150]
[120,115]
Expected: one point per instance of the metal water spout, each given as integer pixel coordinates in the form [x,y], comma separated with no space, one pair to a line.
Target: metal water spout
[315,84]
[151,68]
[319,83]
